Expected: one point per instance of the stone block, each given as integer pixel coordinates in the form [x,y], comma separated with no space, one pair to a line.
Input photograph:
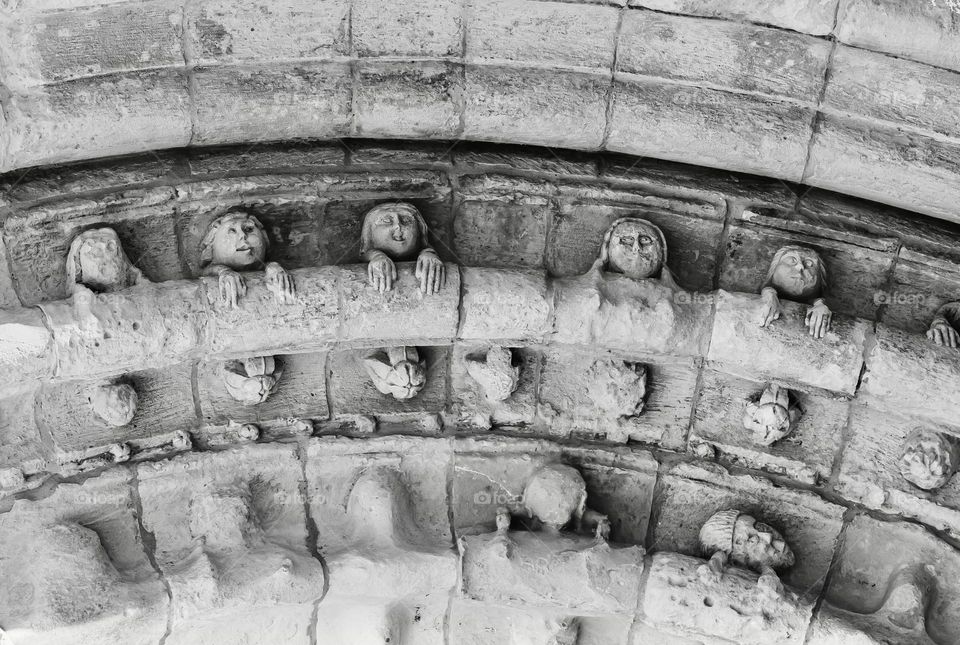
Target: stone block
[575,238]
[876,557]
[470,404]
[805,455]
[403,99]
[611,311]
[906,374]
[352,391]
[403,315]
[503,305]
[300,393]
[64,413]
[535,106]
[591,395]
[784,351]
[506,157]
[921,285]
[924,31]
[266,157]
[708,127]
[857,275]
[357,621]
[864,159]
[870,473]
[21,445]
[688,494]
[502,233]
[489,473]
[267,625]
[546,33]
[809,16]
[273,101]
[229,32]
[731,55]
[478,623]
[430,28]
[406,153]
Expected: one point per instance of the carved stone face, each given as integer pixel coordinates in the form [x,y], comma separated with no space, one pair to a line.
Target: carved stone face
[797,274]
[238,242]
[756,545]
[635,250]
[99,261]
[929,459]
[116,404]
[395,232]
[555,494]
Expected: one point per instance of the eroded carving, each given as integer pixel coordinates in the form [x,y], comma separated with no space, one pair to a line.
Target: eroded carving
[397,371]
[943,327]
[929,458]
[97,261]
[636,248]
[798,274]
[397,231]
[236,241]
[252,380]
[773,416]
[116,453]
[115,403]
[556,498]
[734,536]
[495,373]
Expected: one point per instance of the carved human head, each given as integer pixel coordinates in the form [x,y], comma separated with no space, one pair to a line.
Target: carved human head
[929,459]
[798,273]
[115,403]
[252,380]
[746,541]
[96,260]
[397,371]
[634,247]
[772,417]
[396,228]
[555,494]
[236,240]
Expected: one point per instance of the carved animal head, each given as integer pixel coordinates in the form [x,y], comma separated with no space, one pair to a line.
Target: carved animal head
[115,403]
[773,417]
[396,228]
[929,459]
[97,261]
[397,371]
[236,240]
[797,273]
[495,373]
[746,541]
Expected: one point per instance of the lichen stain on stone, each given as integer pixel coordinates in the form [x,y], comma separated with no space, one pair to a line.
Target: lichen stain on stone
[214,38]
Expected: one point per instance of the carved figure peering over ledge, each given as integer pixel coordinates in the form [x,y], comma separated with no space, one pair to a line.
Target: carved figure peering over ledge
[637,249]
[397,371]
[96,260]
[397,231]
[733,536]
[929,459]
[797,273]
[556,496]
[943,327]
[234,242]
[773,416]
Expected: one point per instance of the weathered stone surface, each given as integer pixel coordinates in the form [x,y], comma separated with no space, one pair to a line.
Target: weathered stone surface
[471,405]
[921,285]
[266,157]
[22,451]
[726,54]
[478,623]
[506,157]
[708,127]
[349,621]
[810,16]
[784,350]
[679,599]
[407,28]
[566,34]
[689,494]
[807,454]
[535,106]
[502,233]
[504,305]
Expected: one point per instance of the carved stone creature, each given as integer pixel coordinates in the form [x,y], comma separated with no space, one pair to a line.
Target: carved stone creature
[734,536]
[929,459]
[556,495]
[943,327]
[97,261]
[636,248]
[115,403]
[495,373]
[617,389]
[397,371]
[397,231]
[773,416]
[236,241]
[252,380]
[797,273]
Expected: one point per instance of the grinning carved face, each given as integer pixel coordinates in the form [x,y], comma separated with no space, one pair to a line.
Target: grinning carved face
[756,544]
[394,230]
[797,273]
[238,242]
[635,249]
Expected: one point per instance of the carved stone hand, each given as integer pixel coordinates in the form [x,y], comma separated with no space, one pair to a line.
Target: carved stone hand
[942,333]
[818,319]
[232,287]
[430,271]
[381,271]
[772,309]
[280,284]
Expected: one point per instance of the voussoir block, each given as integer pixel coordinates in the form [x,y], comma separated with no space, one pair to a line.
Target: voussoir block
[504,305]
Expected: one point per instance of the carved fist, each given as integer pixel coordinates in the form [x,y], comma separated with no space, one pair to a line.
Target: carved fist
[772,310]
[818,319]
[381,272]
[942,333]
[280,284]
[232,287]
[430,271]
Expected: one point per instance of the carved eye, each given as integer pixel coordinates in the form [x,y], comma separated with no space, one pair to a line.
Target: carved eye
[385,220]
[233,229]
[646,241]
[406,220]
[808,263]
[248,228]
[626,240]
[790,260]
[111,246]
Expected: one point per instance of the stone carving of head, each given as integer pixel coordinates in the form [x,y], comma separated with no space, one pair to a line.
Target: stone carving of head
[929,459]
[235,240]
[617,388]
[495,373]
[634,247]
[797,273]
[97,261]
[252,380]
[115,403]
[397,371]
[556,494]
[396,228]
[745,541]
[773,417]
